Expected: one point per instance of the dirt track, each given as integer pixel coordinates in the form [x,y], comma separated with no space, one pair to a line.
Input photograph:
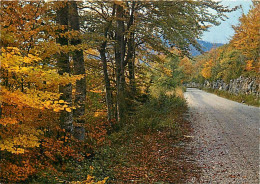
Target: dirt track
[226,138]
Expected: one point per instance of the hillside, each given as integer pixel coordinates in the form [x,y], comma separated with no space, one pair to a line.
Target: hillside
[206,46]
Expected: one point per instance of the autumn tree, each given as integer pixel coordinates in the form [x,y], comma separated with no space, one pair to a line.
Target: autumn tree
[247,36]
[138,27]
[79,69]
[186,66]
[239,57]
[31,96]
[63,64]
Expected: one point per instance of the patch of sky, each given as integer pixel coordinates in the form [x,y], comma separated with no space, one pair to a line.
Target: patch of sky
[224,32]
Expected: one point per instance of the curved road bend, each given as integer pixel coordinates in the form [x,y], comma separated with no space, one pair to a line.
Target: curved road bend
[226,138]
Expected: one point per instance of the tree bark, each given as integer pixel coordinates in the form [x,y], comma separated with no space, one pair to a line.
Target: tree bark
[131,51]
[79,68]
[120,64]
[102,51]
[66,118]
[109,97]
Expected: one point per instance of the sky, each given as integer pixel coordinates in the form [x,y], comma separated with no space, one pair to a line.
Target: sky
[224,32]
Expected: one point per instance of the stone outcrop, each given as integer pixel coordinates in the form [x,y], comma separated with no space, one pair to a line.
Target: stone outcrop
[241,85]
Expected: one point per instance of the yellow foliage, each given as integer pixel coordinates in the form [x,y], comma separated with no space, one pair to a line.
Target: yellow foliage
[90,180]
[249,65]
[206,71]
[28,138]
[247,37]
[91,51]
[8,121]
[187,66]
[68,109]
[100,114]
[31,89]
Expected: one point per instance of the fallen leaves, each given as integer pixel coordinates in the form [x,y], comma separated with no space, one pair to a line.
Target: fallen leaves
[153,157]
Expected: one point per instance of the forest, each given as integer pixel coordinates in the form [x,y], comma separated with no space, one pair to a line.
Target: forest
[91,91]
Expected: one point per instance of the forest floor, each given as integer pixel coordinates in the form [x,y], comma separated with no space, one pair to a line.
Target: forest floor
[152,147]
[225,138]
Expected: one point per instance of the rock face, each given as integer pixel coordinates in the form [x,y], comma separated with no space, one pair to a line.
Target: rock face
[241,85]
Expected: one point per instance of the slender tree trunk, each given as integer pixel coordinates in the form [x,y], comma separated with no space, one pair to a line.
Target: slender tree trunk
[109,97]
[79,68]
[66,118]
[131,51]
[120,64]
[131,69]
[102,51]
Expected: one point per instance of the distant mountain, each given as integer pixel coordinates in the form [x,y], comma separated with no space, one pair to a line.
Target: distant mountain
[206,46]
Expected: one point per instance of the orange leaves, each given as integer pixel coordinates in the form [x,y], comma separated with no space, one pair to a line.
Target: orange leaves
[16,173]
[247,37]
[97,132]
[54,148]
[249,65]
[8,121]
[23,20]
[149,158]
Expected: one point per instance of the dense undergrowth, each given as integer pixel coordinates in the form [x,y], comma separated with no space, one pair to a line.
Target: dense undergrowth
[149,148]
[241,98]
[144,150]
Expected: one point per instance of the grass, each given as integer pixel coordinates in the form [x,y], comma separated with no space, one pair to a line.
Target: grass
[247,99]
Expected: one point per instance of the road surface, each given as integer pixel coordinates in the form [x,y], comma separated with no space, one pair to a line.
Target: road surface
[225,140]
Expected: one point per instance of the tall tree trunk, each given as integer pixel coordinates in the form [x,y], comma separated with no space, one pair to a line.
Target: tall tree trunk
[79,68]
[131,51]
[120,64]
[66,118]
[109,97]
[131,66]
[102,51]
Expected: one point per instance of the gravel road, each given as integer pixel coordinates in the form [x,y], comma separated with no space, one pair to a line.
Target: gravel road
[226,138]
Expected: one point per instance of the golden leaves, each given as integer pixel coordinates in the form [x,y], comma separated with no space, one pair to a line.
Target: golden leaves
[91,51]
[29,70]
[249,65]
[61,101]
[247,37]
[206,71]
[19,143]
[8,121]
[187,65]
[90,180]
[68,109]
